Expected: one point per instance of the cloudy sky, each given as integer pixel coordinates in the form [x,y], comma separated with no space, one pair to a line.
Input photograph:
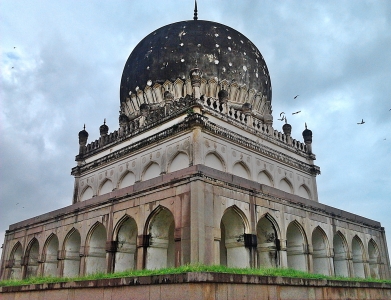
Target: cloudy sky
[62,61]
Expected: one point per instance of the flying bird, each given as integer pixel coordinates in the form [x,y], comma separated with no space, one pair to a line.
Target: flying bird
[282,113]
[296,112]
[362,122]
[282,119]
[295,96]
[14,47]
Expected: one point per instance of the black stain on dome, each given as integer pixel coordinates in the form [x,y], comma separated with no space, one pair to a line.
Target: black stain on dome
[173,50]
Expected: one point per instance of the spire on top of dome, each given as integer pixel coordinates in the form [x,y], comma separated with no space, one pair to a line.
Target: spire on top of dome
[195,11]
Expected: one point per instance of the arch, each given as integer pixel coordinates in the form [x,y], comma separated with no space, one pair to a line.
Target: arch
[304,192]
[50,251]
[160,228]
[358,257]
[215,161]
[233,226]
[88,193]
[126,180]
[267,237]
[126,238]
[180,161]
[373,259]
[285,185]
[71,250]
[264,177]
[16,257]
[340,258]
[240,169]
[106,187]
[96,249]
[320,251]
[296,247]
[32,255]
[151,171]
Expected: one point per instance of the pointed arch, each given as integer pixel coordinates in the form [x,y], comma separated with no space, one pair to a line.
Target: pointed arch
[241,169]
[268,234]
[180,161]
[297,247]
[340,258]
[96,249]
[106,187]
[152,170]
[127,179]
[373,259]
[125,234]
[32,255]
[264,177]
[304,192]
[160,228]
[234,224]
[50,250]
[71,253]
[358,257]
[15,258]
[87,193]
[320,257]
[285,185]
[215,161]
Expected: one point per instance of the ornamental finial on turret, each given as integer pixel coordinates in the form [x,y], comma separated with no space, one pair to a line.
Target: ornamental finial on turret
[195,10]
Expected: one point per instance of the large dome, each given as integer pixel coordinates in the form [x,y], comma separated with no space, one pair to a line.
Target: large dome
[219,51]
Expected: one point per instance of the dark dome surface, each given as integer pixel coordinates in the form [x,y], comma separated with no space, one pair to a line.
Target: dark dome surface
[171,51]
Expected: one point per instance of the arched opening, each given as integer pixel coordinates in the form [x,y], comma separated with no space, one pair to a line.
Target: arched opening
[304,192]
[240,170]
[96,256]
[319,255]
[125,256]
[373,259]
[233,252]
[340,256]
[128,180]
[107,187]
[180,161]
[16,262]
[285,186]
[265,178]
[161,250]
[87,194]
[72,254]
[296,247]
[268,255]
[358,258]
[213,161]
[50,250]
[152,171]
[33,254]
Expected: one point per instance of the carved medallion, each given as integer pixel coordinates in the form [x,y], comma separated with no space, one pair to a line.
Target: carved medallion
[133,164]
[158,154]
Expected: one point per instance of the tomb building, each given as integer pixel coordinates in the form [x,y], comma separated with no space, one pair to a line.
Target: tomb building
[195,173]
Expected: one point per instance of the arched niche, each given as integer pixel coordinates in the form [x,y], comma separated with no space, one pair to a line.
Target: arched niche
[265,178]
[106,187]
[72,254]
[180,161]
[233,252]
[32,253]
[358,257]
[340,255]
[304,192]
[127,180]
[50,252]
[161,250]
[285,185]
[16,261]
[126,238]
[152,171]
[88,193]
[296,247]
[320,258]
[96,245]
[213,161]
[239,169]
[267,236]
[373,259]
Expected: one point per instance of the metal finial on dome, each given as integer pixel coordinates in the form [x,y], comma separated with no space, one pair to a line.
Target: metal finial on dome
[305,124]
[195,10]
[84,128]
[104,121]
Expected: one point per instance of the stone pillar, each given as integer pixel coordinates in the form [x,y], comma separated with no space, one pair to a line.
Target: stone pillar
[223,99]
[143,242]
[281,246]
[111,249]
[123,125]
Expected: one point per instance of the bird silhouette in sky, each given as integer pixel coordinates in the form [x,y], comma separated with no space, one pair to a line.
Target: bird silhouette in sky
[362,122]
[295,96]
[296,112]
[282,119]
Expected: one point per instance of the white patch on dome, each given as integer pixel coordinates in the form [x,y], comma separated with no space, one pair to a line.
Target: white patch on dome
[167,37]
[244,53]
[181,44]
[230,64]
[130,92]
[137,88]
[182,60]
[210,57]
[148,68]
[229,48]
[241,41]
[217,46]
[199,45]
[256,74]
[216,61]
[149,82]
[216,34]
[224,69]
[256,60]
[229,37]
[245,68]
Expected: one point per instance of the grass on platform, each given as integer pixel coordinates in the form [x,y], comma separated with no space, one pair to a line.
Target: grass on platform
[189,268]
